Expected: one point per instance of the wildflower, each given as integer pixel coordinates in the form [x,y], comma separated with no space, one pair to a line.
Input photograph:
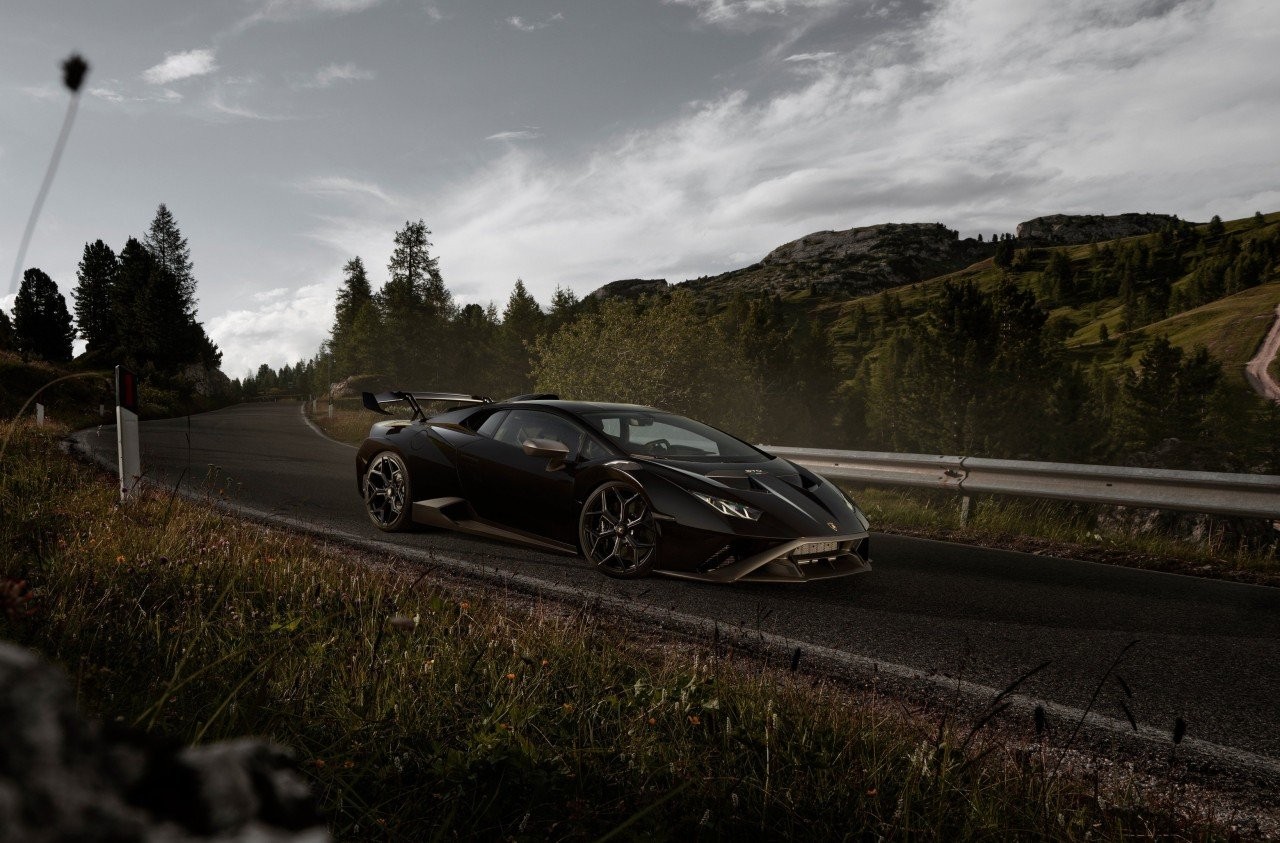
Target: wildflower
[653,721]
[319,762]
[568,708]
[120,558]
[511,676]
[545,662]
[348,764]
[464,605]
[695,720]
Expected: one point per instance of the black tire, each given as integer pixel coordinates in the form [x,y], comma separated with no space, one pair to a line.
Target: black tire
[387,495]
[616,531]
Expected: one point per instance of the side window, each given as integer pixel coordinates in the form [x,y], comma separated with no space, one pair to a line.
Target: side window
[522,425]
[593,450]
[490,425]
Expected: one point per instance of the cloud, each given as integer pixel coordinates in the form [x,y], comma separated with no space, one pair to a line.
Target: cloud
[270,295]
[249,336]
[532,26]
[737,14]
[342,186]
[527,133]
[111,92]
[807,57]
[283,11]
[178,66]
[329,75]
[978,115]
[239,98]
[433,12]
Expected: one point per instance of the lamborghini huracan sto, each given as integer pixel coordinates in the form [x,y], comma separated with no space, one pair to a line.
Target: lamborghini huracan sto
[632,489]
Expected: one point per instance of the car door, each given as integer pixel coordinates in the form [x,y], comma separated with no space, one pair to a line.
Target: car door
[508,487]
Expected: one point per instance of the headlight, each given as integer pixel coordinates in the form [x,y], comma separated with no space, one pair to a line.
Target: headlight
[857,513]
[862,519]
[724,507]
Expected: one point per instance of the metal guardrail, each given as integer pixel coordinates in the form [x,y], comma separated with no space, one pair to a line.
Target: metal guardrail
[1218,493]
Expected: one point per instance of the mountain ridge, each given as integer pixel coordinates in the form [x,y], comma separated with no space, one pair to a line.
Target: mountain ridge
[867,259]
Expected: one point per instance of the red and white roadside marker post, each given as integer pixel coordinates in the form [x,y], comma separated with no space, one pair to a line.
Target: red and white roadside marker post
[127,431]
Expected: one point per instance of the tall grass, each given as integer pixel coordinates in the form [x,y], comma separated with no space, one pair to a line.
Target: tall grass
[421,712]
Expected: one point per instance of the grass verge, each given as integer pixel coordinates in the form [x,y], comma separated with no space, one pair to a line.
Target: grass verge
[1198,546]
[421,712]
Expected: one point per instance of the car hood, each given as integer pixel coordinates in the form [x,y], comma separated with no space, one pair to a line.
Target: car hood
[793,499]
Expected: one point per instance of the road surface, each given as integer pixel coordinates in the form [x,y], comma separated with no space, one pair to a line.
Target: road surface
[1208,651]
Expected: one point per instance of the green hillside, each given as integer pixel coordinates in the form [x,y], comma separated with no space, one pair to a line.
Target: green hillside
[1229,325]
[1129,350]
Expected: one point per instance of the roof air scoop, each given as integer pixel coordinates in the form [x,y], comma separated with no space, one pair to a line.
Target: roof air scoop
[535,396]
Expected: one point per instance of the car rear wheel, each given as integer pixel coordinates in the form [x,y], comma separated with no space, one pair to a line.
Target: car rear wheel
[386,492]
[616,531]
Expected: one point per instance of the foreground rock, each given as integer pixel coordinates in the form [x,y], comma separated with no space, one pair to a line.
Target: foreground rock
[65,778]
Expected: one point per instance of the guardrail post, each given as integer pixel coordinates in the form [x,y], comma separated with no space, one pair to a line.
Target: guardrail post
[330,409]
[127,431]
[39,415]
[967,506]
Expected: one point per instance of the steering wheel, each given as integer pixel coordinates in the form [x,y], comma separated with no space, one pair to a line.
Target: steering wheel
[658,445]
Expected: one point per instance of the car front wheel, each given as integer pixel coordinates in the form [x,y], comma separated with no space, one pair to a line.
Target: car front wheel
[386,492]
[616,531]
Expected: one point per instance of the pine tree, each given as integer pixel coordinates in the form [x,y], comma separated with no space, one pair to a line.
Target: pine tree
[564,303]
[7,340]
[169,248]
[522,322]
[128,294]
[1216,228]
[155,317]
[41,322]
[94,316]
[417,308]
[353,295]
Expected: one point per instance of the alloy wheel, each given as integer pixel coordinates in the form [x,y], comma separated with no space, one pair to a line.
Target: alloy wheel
[616,531]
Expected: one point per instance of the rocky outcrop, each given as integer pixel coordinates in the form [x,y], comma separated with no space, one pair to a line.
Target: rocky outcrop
[65,778]
[207,381]
[632,288]
[854,262]
[1072,229]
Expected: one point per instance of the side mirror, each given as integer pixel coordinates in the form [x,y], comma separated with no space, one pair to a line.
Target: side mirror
[555,452]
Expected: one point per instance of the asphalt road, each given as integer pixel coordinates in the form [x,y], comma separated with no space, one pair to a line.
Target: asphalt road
[1207,651]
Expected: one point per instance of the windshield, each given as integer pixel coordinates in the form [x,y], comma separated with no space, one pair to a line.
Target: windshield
[650,434]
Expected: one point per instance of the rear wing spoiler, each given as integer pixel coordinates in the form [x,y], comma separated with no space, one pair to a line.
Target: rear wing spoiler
[416,399]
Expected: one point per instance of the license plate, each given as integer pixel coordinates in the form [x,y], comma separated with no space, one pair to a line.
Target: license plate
[817,547]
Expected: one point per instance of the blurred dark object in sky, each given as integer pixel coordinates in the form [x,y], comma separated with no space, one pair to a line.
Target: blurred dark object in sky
[74,69]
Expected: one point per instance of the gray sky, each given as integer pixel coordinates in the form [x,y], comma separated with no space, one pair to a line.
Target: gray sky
[580,142]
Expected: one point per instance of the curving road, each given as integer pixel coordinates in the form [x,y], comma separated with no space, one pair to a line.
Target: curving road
[1208,651]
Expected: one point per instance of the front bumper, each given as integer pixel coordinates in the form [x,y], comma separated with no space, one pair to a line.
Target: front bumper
[786,562]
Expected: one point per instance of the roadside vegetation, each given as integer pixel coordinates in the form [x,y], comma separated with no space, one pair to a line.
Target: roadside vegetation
[1125,352]
[421,710]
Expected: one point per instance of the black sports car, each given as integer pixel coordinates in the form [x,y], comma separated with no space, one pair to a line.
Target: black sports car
[633,489]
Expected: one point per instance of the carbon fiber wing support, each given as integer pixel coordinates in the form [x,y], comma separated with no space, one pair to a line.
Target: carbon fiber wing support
[415,400]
